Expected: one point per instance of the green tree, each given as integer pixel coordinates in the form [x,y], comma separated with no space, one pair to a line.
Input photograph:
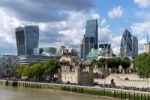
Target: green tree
[19,71]
[101,62]
[142,64]
[110,62]
[113,63]
[27,71]
[37,71]
[93,63]
[51,67]
[117,62]
[126,62]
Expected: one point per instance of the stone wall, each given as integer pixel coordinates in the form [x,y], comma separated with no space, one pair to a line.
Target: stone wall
[75,75]
[120,80]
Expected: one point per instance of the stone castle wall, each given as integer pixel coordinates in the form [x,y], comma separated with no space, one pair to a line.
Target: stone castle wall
[120,80]
[75,75]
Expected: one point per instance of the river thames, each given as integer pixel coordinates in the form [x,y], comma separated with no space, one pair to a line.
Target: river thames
[14,93]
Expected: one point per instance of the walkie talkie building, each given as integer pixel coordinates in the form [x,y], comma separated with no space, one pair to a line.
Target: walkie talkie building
[27,38]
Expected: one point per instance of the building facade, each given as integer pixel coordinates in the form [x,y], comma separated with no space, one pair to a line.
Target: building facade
[67,50]
[27,38]
[75,75]
[33,58]
[8,62]
[147,47]
[104,51]
[47,51]
[90,39]
[129,45]
[135,46]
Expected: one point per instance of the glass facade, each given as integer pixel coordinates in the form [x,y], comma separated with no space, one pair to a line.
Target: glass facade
[104,51]
[32,59]
[135,46]
[90,39]
[27,39]
[92,31]
[129,44]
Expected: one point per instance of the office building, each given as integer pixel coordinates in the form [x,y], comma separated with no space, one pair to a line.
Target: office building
[104,51]
[46,51]
[135,46]
[90,39]
[33,59]
[7,63]
[27,38]
[129,45]
[67,50]
[147,47]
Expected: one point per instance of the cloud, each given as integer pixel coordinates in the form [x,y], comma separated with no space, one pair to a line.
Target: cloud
[143,15]
[69,31]
[116,12]
[142,3]
[75,26]
[7,38]
[105,34]
[141,43]
[45,10]
[52,33]
[103,22]
[59,21]
[141,28]
[116,40]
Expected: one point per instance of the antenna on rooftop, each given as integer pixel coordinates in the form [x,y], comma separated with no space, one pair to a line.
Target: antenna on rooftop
[147,38]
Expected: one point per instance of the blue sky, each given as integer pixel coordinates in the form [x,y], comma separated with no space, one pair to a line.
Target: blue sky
[127,18]
[63,21]
[133,11]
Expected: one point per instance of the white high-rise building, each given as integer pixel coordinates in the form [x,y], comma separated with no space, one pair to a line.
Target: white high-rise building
[147,47]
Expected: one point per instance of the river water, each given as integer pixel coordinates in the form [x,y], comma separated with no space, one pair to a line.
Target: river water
[14,93]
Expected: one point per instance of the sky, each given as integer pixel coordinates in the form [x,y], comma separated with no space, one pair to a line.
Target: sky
[63,21]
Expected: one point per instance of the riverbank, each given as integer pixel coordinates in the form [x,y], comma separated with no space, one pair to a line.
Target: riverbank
[22,93]
[116,93]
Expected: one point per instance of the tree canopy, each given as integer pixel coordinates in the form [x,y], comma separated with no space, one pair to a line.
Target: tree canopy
[126,62]
[142,64]
[39,70]
[110,62]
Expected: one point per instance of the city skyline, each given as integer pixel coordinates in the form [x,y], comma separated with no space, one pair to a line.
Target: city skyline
[63,21]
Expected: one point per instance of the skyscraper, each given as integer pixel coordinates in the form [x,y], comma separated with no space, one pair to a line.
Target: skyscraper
[135,46]
[129,45]
[90,39]
[92,31]
[147,47]
[27,39]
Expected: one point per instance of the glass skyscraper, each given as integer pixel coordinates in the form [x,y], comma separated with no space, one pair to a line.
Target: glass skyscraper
[129,44]
[27,38]
[134,46]
[90,39]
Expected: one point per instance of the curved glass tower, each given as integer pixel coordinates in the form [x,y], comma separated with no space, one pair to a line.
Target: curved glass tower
[129,45]
[27,38]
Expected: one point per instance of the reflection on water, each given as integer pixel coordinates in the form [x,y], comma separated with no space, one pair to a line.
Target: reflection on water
[12,93]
